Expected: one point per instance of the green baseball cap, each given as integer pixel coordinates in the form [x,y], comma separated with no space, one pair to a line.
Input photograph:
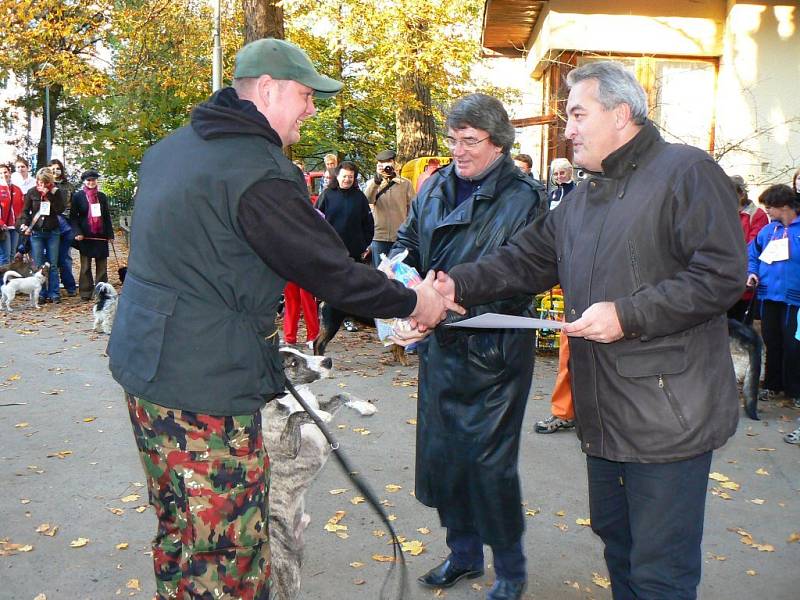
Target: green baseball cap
[282,60]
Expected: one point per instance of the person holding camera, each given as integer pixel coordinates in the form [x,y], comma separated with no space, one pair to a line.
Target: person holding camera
[389,196]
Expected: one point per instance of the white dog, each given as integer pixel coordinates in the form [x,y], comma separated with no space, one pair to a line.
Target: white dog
[13,283]
[105,307]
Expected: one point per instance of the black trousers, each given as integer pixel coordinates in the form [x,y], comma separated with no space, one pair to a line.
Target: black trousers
[778,326]
[650,518]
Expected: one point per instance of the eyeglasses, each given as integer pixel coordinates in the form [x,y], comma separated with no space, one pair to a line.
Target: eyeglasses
[453,143]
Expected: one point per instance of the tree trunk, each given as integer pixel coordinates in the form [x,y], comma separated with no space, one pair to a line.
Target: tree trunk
[262,18]
[416,128]
[41,153]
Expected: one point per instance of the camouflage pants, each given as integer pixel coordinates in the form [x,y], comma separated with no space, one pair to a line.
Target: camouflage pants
[208,480]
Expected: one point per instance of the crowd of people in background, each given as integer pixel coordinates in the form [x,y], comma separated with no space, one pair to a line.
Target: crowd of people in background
[44,216]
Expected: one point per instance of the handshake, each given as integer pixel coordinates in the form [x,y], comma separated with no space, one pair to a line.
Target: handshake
[435,296]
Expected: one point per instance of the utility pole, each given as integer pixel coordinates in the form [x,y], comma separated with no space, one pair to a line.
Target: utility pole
[216,83]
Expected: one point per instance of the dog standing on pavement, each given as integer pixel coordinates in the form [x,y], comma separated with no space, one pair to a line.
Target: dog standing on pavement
[105,307]
[298,451]
[14,283]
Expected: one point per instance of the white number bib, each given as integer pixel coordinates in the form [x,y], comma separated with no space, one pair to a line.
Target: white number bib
[775,251]
[94,210]
[44,208]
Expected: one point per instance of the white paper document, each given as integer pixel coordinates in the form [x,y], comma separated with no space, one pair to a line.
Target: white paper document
[498,321]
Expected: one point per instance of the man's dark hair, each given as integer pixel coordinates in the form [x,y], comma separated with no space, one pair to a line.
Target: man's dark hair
[483,112]
[347,165]
[778,196]
[524,158]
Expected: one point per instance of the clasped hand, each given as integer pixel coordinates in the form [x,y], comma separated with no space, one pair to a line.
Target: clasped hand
[435,296]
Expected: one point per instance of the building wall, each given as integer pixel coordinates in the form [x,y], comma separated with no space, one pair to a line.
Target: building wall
[755,109]
[758,107]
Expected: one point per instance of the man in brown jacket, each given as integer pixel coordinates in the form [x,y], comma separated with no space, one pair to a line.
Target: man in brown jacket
[389,196]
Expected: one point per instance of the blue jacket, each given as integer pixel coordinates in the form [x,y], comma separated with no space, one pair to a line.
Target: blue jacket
[779,281]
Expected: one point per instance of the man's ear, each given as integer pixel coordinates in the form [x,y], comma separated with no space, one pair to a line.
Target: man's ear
[622,115]
[265,86]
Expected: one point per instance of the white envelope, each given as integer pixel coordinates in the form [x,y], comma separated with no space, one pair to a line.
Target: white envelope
[498,321]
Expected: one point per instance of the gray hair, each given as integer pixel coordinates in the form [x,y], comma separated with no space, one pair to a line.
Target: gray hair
[615,85]
[483,112]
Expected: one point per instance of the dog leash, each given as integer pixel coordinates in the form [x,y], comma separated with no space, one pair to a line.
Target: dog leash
[400,589]
[110,241]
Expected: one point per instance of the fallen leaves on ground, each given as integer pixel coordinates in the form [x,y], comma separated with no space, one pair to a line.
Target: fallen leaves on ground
[600,581]
[795,537]
[133,584]
[47,529]
[761,471]
[583,522]
[129,498]
[382,558]
[122,546]
[357,500]
[747,539]
[8,548]
[62,454]
[424,530]
[22,425]
[562,526]
[114,510]
[334,527]
[393,487]
[356,564]
[79,543]
[413,547]
[337,491]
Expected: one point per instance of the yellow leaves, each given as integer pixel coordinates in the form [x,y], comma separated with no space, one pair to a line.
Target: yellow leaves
[583,522]
[393,487]
[411,421]
[62,454]
[338,491]
[413,547]
[378,533]
[718,477]
[600,581]
[8,548]
[47,529]
[357,500]
[334,527]
[122,546]
[532,512]
[14,377]
[133,584]
[793,538]
[560,513]
[129,498]
[382,558]
[40,597]
[731,485]
[758,501]
[89,419]
[761,471]
[140,509]
[79,543]
[747,539]
[22,425]
[361,430]
[751,572]
[356,564]
[423,530]
[563,527]
[114,510]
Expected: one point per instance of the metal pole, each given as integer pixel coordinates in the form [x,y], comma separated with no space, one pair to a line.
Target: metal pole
[217,55]
[47,140]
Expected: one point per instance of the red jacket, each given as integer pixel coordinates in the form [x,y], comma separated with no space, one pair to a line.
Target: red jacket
[11,200]
[753,219]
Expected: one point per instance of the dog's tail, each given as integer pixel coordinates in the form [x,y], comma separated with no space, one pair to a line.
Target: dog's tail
[10,274]
[749,338]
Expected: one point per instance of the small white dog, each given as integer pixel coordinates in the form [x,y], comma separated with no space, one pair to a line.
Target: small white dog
[105,307]
[13,283]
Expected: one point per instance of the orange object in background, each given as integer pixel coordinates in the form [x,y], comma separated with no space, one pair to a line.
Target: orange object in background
[561,404]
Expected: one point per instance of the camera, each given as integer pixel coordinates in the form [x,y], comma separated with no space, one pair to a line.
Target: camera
[388,170]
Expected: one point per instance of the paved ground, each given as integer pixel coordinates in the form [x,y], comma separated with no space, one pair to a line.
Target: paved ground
[67,461]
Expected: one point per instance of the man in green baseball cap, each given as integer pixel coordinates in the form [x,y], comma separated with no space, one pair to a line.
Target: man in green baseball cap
[222,221]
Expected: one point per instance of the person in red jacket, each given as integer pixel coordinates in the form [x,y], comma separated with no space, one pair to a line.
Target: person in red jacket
[753,219]
[11,200]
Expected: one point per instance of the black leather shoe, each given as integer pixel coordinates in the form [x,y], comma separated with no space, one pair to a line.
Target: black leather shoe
[447,575]
[506,590]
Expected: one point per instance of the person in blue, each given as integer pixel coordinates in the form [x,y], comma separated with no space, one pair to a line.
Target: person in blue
[774,271]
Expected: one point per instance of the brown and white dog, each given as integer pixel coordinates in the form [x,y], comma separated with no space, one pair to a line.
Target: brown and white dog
[14,283]
[298,451]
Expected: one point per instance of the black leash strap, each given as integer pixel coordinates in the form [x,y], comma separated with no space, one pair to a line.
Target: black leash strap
[395,586]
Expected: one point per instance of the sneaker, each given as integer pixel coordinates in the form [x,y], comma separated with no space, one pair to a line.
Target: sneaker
[552,424]
[765,395]
[793,437]
[350,326]
[72,294]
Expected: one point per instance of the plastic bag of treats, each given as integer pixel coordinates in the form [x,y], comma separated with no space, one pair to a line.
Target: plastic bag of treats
[395,268]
